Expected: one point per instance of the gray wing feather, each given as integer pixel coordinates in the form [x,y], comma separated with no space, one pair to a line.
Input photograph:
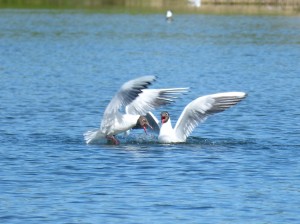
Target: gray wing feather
[198,111]
[151,99]
[127,93]
[153,121]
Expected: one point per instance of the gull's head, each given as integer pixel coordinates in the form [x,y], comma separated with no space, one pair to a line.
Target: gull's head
[143,123]
[164,117]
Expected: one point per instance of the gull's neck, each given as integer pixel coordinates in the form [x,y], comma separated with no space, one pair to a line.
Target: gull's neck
[165,127]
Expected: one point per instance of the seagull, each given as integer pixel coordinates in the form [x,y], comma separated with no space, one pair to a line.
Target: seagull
[136,100]
[169,16]
[193,114]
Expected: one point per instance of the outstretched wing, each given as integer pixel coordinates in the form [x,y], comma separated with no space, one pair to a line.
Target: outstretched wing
[150,99]
[199,109]
[127,93]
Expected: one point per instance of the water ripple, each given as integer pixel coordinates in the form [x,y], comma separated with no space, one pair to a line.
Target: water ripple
[58,72]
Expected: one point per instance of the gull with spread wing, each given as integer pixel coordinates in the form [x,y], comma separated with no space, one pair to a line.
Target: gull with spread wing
[193,114]
[135,99]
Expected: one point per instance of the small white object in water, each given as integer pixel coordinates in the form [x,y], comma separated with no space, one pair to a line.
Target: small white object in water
[169,15]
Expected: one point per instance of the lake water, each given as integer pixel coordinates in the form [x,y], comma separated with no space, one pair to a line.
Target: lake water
[59,70]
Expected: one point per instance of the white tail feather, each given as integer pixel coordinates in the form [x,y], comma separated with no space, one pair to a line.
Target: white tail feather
[93,136]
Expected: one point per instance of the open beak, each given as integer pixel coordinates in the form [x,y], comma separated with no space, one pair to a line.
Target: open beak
[145,128]
[163,118]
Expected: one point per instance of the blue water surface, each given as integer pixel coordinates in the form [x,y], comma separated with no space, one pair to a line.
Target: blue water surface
[59,70]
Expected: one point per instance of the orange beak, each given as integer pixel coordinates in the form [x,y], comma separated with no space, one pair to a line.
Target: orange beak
[145,128]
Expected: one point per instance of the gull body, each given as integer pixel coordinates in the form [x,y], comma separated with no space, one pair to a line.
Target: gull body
[194,113]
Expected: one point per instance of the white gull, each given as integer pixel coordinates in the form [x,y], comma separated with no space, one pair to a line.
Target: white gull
[135,100]
[193,114]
